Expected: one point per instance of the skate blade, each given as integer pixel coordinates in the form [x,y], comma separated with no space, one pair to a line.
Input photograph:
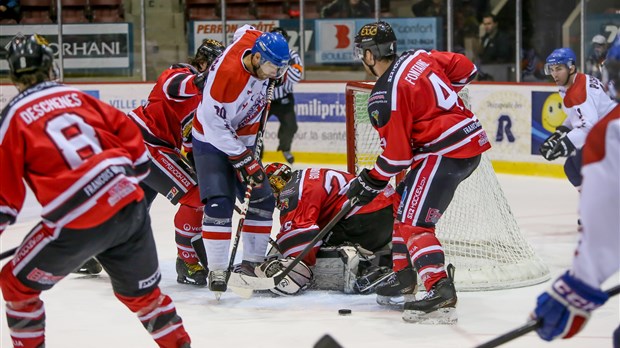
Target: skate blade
[395,301]
[217,294]
[442,316]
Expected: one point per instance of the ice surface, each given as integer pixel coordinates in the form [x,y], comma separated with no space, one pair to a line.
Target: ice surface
[82,311]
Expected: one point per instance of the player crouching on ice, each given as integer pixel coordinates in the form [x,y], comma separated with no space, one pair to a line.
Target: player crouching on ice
[308,200]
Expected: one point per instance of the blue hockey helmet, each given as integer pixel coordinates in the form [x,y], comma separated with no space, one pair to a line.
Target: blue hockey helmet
[563,55]
[274,54]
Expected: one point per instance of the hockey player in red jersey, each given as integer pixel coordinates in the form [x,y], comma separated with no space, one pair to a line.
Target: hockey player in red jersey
[83,160]
[308,200]
[565,308]
[423,125]
[224,136]
[584,100]
[166,123]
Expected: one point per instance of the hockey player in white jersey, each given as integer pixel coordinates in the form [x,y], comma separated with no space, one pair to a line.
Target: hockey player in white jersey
[584,100]
[565,308]
[224,135]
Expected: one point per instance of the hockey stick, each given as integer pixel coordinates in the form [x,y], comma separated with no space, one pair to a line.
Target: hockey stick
[247,282]
[8,253]
[529,327]
[258,145]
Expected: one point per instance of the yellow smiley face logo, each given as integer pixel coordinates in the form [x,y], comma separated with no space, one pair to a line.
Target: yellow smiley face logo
[552,114]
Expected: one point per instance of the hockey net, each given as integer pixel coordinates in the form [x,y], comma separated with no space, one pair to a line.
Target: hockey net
[479,234]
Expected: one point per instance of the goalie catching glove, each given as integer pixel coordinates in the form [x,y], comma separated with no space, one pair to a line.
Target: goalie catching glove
[248,168]
[293,283]
[565,308]
[365,188]
[557,145]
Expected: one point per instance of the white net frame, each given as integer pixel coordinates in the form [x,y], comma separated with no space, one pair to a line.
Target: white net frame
[478,231]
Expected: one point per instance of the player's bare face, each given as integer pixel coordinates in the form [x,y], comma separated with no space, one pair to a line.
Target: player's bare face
[559,73]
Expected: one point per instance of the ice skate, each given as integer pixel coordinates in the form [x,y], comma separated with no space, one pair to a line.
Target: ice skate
[193,274]
[437,307]
[399,288]
[217,283]
[92,266]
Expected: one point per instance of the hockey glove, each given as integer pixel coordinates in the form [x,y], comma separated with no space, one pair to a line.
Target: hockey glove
[557,144]
[199,81]
[248,168]
[365,188]
[565,308]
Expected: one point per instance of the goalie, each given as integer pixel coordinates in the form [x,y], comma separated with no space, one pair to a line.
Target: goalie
[308,199]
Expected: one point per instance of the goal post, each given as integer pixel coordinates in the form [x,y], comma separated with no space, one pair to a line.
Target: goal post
[478,231]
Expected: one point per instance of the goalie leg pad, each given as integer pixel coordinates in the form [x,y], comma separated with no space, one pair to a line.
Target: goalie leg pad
[293,283]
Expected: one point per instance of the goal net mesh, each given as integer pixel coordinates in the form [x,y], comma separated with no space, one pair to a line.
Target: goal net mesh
[478,231]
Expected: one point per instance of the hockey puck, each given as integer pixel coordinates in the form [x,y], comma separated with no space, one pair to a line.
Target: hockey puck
[344,311]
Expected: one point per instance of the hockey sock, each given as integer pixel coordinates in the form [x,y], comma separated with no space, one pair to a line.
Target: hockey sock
[217,231]
[159,317]
[426,253]
[255,235]
[400,254]
[26,321]
[187,224]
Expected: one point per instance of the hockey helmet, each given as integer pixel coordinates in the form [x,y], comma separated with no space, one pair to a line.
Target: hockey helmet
[279,175]
[281,31]
[563,55]
[274,54]
[28,55]
[377,37]
[207,52]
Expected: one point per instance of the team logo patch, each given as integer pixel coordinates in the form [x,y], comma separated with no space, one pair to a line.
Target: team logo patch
[173,192]
[283,204]
[433,215]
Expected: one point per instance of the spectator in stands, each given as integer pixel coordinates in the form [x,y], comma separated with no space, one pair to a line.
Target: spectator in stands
[9,9]
[495,44]
[347,9]
[596,58]
[430,8]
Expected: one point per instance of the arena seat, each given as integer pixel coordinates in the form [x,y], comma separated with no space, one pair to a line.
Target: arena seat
[35,11]
[74,11]
[202,10]
[107,11]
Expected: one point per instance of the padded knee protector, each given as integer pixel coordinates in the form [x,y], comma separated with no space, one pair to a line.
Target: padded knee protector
[219,209]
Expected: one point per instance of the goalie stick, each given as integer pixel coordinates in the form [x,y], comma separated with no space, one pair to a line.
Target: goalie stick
[529,327]
[242,281]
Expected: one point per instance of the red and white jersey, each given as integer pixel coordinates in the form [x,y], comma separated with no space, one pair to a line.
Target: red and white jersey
[597,257]
[170,106]
[416,109]
[82,158]
[584,102]
[311,199]
[233,100]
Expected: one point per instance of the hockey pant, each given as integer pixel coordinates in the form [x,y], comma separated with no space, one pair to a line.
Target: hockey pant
[173,177]
[426,193]
[219,187]
[124,246]
[572,168]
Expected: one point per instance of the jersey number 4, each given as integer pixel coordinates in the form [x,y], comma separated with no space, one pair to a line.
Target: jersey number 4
[75,139]
[446,97]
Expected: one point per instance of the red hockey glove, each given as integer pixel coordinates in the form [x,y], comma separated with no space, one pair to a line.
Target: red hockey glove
[248,168]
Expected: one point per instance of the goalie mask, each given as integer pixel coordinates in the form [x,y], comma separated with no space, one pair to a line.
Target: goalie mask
[279,175]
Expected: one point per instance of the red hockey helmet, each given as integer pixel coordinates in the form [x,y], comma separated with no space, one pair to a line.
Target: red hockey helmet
[278,174]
